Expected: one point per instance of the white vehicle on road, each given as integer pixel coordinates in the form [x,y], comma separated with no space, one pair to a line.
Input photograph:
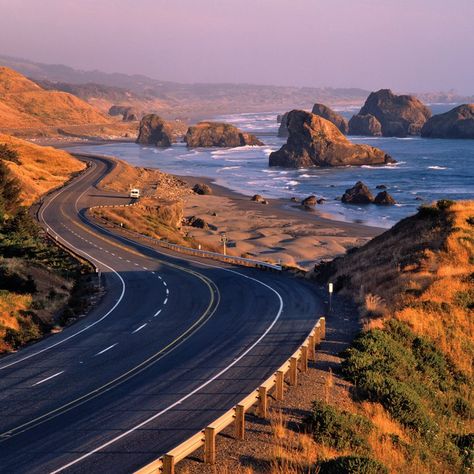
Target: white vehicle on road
[134,193]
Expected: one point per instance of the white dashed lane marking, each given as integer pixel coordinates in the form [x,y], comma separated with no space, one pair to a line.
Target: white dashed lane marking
[140,328]
[106,349]
[48,378]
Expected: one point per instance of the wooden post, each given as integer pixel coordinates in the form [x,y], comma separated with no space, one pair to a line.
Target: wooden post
[293,371]
[311,351]
[210,445]
[168,464]
[279,384]
[304,358]
[317,337]
[322,322]
[240,422]
[263,402]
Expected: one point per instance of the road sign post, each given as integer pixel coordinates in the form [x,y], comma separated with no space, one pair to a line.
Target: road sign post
[224,242]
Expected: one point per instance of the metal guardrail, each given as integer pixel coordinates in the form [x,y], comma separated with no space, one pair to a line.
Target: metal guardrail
[207,436]
[246,262]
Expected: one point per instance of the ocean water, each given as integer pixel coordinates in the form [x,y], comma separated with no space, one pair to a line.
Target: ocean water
[426,170]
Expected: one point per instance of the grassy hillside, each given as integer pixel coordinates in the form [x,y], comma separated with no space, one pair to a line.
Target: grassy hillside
[412,365]
[24,104]
[39,169]
[41,286]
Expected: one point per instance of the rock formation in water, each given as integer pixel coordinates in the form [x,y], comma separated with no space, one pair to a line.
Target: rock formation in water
[314,141]
[283,128]
[457,123]
[384,199]
[399,115]
[358,194]
[154,131]
[310,201]
[366,125]
[215,134]
[326,113]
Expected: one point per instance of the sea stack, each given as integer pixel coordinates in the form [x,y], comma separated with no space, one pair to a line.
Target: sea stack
[216,134]
[154,131]
[314,141]
[398,115]
[326,113]
[457,123]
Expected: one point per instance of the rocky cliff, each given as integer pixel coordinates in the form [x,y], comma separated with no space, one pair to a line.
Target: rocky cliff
[457,123]
[314,141]
[215,134]
[154,131]
[326,113]
[399,115]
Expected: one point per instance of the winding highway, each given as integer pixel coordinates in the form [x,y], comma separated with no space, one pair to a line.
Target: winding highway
[174,342]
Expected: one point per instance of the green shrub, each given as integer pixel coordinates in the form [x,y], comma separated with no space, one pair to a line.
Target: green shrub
[463,408]
[352,465]
[399,399]
[9,154]
[28,331]
[465,299]
[338,429]
[444,204]
[465,445]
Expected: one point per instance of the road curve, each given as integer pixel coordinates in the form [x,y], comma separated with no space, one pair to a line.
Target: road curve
[174,343]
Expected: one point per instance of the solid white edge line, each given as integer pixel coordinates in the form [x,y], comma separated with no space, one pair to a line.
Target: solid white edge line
[190,394]
[48,378]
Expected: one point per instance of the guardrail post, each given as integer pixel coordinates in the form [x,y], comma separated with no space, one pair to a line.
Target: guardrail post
[210,445]
[279,384]
[317,336]
[304,358]
[263,402]
[322,322]
[240,422]
[293,371]
[168,464]
[311,348]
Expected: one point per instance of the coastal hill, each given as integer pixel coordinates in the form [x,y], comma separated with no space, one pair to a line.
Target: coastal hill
[178,100]
[413,361]
[41,286]
[24,104]
[38,169]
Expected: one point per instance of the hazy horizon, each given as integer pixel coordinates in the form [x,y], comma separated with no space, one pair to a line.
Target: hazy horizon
[422,45]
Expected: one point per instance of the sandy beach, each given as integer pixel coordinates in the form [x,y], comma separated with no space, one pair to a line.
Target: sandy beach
[278,231]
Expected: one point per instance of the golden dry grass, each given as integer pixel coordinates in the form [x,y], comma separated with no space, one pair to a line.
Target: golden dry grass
[415,272]
[41,168]
[23,104]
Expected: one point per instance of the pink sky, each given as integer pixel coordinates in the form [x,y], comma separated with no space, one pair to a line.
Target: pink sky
[408,45]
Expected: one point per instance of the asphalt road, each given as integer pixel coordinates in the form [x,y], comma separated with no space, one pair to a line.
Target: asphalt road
[174,343]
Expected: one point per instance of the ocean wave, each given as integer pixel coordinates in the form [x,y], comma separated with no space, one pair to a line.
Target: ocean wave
[437,168]
[392,166]
[306,176]
[225,168]
[292,183]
